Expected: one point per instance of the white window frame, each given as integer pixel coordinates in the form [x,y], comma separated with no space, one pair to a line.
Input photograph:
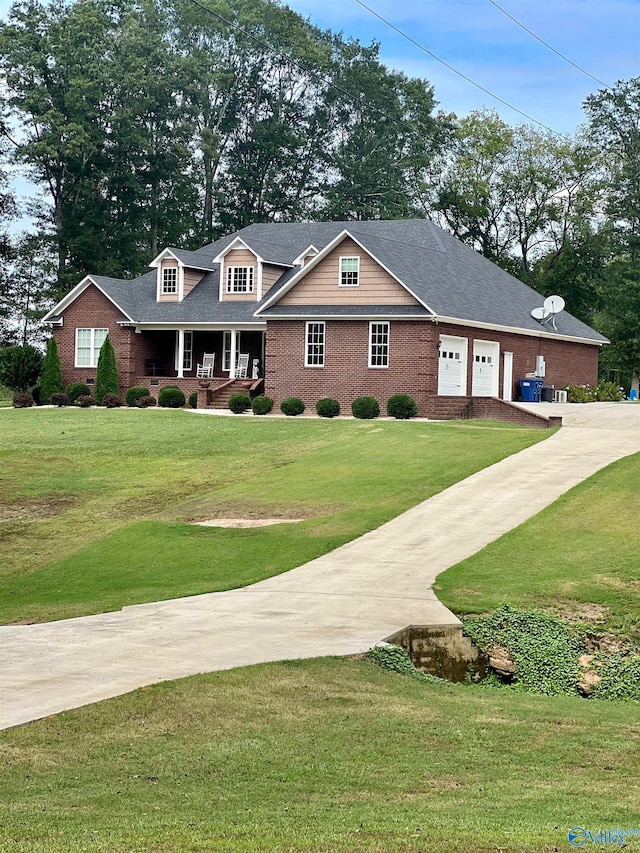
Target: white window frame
[93,361]
[372,325]
[169,288]
[308,345]
[232,283]
[343,273]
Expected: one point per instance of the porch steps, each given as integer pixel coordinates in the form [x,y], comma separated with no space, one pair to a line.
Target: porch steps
[220,397]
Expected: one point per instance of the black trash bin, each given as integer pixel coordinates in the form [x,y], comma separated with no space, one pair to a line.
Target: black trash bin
[547,394]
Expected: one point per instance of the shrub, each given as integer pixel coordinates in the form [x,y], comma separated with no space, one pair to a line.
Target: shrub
[171,398]
[20,367]
[365,408]
[111,401]
[193,400]
[22,401]
[261,405]
[607,392]
[77,389]
[145,401]
[396,659]
[401,407]
[292,406]
[36,393]
[51,380]
[86,400]
[59,400]
[133,394]
[328,408]
[107,373]
[239,402]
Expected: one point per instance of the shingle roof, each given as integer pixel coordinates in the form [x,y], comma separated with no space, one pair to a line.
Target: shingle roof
[449,277]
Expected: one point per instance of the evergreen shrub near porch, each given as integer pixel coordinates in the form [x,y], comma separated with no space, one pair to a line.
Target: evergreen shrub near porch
[328,408]
[133,394]
[401,407]
[261,405]
[239,402]
[292,406]
[171,397]
[77,389]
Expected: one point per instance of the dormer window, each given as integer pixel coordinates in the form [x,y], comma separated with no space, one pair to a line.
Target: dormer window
[169,280]
[239,279]
[349,272]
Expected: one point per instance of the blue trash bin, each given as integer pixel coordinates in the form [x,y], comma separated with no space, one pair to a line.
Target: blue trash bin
[531,389]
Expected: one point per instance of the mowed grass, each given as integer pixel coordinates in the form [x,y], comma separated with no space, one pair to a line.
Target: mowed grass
[323,755]
[93,502]
[579,557]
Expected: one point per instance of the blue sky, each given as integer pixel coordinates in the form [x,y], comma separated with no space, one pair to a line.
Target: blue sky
[602,36]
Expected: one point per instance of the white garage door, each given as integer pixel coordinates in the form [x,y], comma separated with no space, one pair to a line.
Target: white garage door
[452,367]
[486,360]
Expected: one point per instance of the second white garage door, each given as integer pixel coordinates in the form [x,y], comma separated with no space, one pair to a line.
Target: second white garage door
[486,361]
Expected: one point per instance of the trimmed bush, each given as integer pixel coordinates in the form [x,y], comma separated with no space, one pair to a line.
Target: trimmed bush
[365,408]
[77,389]
[107,373]
[85,401]
[193,400]
[261,405]
[59,400]
[22,401]
[239,402]
[146,401]
[111,401]
[402,407]
[133,394]
[292,406]
[328,408]
[51,380]
[171,398]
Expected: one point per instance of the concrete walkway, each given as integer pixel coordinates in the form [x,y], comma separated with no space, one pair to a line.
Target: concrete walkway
[341,603]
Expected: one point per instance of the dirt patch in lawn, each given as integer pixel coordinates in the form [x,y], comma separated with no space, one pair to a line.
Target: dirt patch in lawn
[34,508]
[576,611]
[245,522]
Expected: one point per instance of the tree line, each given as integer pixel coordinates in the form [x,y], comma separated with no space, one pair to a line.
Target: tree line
[145,124]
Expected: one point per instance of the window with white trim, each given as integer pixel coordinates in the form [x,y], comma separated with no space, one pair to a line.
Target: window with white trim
[349,272]
[378,345]
[239,279]
[314,354]
[88,344]
[169,280]
[187,359]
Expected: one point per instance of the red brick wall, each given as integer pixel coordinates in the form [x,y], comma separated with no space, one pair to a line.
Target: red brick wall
[413,361]
[93,310]
[346,373]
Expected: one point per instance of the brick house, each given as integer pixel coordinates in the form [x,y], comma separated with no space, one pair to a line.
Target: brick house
[328,309]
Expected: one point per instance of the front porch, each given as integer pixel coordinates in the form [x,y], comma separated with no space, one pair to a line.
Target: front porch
[176,353]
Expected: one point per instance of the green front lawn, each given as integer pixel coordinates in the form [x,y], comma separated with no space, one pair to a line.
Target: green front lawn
[579,558]
[93,501]
[323,755]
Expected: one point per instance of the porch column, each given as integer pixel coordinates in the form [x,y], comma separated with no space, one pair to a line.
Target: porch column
[232,354]
[180,364]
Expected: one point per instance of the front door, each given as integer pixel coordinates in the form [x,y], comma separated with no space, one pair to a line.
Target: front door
[486,356]
[452,367]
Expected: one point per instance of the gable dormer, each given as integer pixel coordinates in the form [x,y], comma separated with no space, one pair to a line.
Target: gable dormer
[175,279]
[244,275]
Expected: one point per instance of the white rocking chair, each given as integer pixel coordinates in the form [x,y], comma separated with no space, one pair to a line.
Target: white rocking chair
[242,365]
[205,370]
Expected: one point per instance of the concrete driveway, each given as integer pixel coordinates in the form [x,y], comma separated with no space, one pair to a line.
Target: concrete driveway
[342,603]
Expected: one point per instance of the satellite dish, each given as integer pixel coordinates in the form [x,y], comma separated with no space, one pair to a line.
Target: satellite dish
[539,314]
[553,304]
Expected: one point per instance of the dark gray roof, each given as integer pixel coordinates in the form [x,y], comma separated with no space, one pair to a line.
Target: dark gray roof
[444,274]
[200,260]
[137,299]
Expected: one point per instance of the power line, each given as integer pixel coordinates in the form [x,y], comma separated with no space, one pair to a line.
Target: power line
[546,44]
[455,70]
